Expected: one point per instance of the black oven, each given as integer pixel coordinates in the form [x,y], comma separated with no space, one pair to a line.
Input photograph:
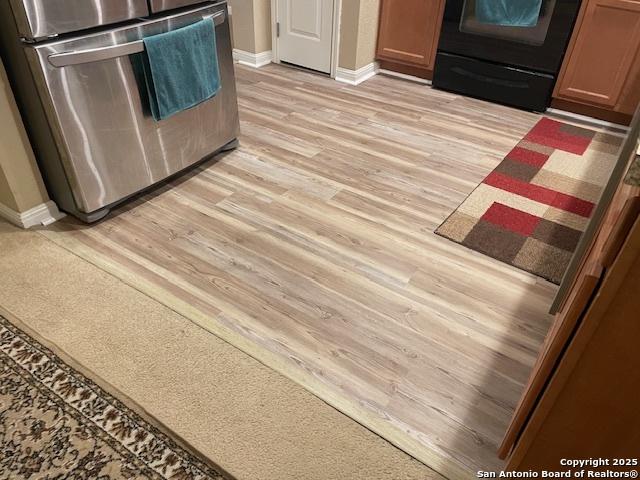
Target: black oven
[507,51]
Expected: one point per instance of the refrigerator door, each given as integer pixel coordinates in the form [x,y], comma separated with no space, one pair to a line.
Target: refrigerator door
[44,18]
[109,144]
[163,5]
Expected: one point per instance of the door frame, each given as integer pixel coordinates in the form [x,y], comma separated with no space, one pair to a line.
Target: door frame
[335,37]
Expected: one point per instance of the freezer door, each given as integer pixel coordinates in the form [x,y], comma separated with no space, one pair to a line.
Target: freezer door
[163,5]
[109,144]
[43,18]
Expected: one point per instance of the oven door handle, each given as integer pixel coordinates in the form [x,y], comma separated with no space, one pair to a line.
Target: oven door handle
[112,51]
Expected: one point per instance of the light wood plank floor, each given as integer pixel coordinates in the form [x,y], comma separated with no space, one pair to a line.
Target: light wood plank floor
[312,247]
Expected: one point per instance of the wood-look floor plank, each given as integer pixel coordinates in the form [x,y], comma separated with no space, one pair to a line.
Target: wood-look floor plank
[314,240]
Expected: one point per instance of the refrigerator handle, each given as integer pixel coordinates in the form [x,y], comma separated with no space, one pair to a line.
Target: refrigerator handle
[112,51]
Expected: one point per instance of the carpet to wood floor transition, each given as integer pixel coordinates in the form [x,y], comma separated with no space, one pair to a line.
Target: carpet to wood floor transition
[312,248]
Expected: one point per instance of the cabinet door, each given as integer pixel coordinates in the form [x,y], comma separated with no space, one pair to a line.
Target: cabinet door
[609,223]
[602,53]
[630,98]
[409,31]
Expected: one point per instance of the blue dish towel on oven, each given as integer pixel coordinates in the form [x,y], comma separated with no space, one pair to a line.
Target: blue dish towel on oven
[180,68]
[509,13]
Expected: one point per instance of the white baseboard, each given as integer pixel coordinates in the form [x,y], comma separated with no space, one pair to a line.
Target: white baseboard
[43,214]
[255,60]
[588,121]
[356,77]
[412,78]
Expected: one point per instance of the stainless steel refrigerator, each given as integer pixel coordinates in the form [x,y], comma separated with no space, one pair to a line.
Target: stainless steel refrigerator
[72,66]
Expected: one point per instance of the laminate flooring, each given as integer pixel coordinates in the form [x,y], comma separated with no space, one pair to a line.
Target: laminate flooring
[311,247]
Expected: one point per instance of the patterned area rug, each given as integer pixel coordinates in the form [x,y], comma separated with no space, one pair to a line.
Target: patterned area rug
[55,423]
[532,209]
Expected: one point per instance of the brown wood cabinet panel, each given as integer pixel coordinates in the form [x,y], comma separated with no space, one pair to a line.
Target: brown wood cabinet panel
[409,31]
[590,407]
[601,64]
[601,245]
[630,98]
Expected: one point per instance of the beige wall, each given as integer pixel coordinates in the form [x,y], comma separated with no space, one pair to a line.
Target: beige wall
[349,18]
[367,32]
[21,186]
[358,33]
[358,29]
[251,25]
[262,21]
[6,197]
[242,22]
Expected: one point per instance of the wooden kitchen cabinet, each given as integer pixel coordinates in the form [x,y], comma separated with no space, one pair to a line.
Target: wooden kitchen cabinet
[602,65]
[408,35]
[582,397]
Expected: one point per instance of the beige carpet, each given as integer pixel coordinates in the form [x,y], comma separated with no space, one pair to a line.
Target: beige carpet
[254,422]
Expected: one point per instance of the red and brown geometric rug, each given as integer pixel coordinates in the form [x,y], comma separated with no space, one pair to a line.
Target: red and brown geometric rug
[532,209]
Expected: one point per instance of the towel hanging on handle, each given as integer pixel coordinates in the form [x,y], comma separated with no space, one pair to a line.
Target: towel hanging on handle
[180,68]
[509,13]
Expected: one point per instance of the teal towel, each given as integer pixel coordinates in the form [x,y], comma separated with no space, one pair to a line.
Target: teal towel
[509,13]
[180,68]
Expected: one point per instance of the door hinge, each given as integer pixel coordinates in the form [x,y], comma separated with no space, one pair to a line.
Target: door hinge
[277,29]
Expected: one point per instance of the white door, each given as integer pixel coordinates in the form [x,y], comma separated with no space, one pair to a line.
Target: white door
[305,33]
